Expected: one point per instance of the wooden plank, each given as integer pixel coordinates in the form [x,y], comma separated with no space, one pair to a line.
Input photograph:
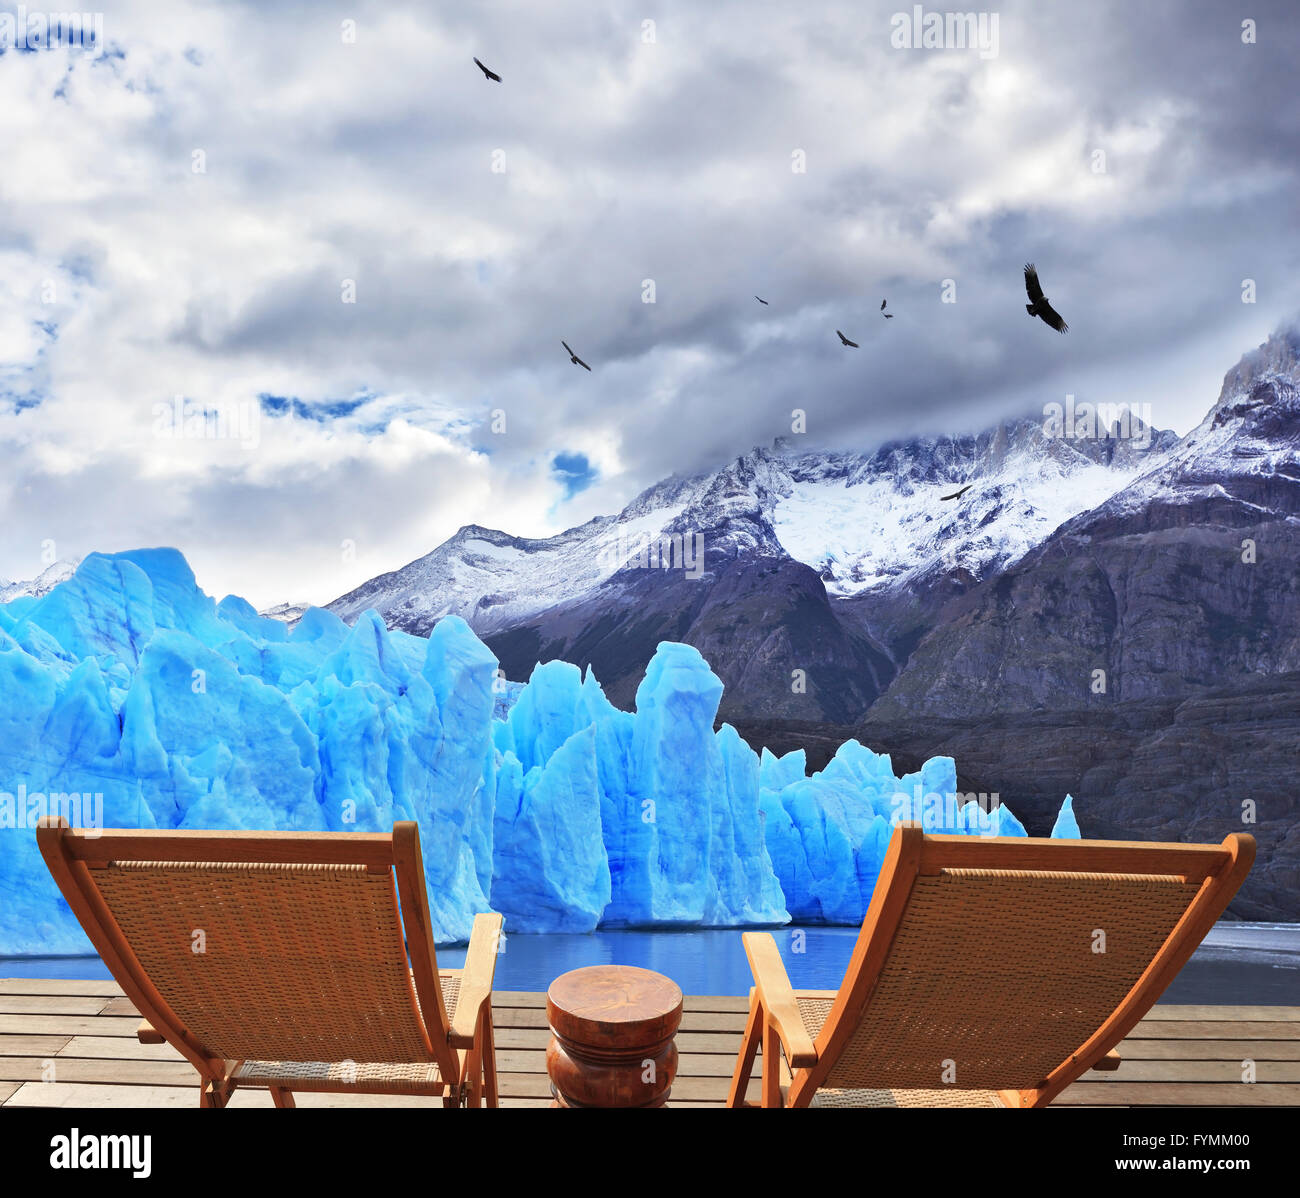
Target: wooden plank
[81,1094]
[518,998]
[1209,1050]
[117,1048]
[1197,1071]
[727,1003]
[6,1090]
[52,1004]
[1234,1013]
[1175,1029]
[98,1070]
[1091,1093]
[106,988]
[68,1025]
[32,1046]
[121,1006]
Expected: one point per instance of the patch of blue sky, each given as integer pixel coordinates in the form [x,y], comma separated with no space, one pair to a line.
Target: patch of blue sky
[13,399]
[322,411]
[574,472]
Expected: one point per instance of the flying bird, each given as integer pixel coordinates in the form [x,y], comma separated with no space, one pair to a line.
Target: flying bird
[760,299]
[577,361]
[845,340]
[957,494]
[888,315]
[1040,307]
[489,74]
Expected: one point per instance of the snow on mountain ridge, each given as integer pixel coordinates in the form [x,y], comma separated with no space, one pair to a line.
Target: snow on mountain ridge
[44,582]
[1246,448]
[862,520]
[493,579]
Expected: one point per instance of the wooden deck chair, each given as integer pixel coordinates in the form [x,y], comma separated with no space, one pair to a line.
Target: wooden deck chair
[988,972]
[280,959]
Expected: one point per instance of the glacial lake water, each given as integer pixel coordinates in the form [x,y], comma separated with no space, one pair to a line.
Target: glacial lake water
[1238,964]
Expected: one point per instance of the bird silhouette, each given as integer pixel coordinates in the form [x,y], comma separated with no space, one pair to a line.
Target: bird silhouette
[888,315]
[760,299]
[957,494]
[577,361]
[489,74]
[846,341]
[1040,307]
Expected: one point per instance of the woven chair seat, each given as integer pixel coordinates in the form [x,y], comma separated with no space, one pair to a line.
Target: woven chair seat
[335,1075]
[907,1098]
[396,1077]
[813,1013]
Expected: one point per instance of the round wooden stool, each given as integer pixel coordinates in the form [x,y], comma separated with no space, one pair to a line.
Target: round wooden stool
[612,1042]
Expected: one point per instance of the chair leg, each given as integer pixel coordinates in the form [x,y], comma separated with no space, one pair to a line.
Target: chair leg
[452,1097]
[489,1058]
[473,1080]
[283,1098]
[212,1095]
[748,1050]
[771,1065]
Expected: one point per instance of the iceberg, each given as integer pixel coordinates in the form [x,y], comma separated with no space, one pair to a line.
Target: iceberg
[130,698]
[1066,826]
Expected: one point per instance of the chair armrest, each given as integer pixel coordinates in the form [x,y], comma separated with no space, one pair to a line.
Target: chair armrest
[146,1033]
[780,1007]
[476,979]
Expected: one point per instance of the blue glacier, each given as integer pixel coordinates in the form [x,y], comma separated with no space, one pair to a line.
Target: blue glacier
[130,698]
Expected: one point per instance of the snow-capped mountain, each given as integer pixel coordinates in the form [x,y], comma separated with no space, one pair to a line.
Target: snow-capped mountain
[287,613]
[495,580]
[874,523]
[1241,463]
[45,581]
[862,521]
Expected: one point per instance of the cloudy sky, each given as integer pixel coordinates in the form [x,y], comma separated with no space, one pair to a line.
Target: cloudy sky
[184,216]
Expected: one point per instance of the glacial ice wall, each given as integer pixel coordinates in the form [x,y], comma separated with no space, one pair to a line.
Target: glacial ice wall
[130,697]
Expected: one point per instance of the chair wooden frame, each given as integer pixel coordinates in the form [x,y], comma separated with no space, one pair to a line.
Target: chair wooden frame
[462,1047]
[794,1065]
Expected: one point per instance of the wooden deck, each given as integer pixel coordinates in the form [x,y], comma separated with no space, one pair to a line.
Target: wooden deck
[73,1044]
